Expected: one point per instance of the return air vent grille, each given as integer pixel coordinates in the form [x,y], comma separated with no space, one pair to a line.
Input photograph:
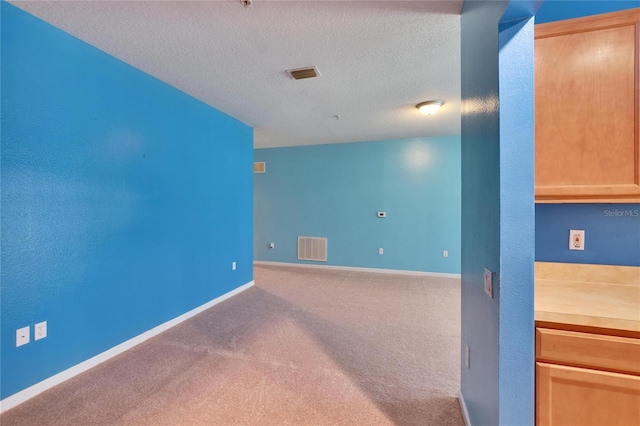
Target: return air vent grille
[302,73]
[312,248]
[259,167]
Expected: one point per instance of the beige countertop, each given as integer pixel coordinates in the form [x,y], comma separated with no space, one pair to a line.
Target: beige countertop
[588,295]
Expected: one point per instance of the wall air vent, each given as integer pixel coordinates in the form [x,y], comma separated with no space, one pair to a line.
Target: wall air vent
[312,248]
[259,167]
[302,73]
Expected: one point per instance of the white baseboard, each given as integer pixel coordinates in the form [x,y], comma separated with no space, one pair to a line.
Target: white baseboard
[31,391]
[463,406]
[359,269]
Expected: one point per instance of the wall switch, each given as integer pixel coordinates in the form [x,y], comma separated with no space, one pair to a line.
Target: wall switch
[380,250]
[382,214]
[468,357]
[272,245]
[488,282]
[40,330]
[576,239]
[233,266]
[23,336]
[445,253]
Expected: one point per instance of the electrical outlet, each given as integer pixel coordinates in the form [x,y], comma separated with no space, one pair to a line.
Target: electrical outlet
[40,330]
[488,282]
[233,266]
[23,336]
[380,250]
[576,239]
[445,253]
[468,357]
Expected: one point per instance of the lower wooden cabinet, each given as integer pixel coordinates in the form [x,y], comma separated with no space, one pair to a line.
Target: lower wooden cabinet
[586,379]
[579,396]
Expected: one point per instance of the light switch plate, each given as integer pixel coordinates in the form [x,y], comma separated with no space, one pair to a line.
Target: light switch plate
[488,282]
[468,357]
[23,336]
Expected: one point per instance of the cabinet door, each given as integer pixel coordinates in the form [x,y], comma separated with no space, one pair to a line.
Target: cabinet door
[577,396]
[587,114]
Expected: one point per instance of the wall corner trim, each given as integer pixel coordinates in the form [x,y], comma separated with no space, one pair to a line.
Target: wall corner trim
[463,407]
[359,269]
[34,390]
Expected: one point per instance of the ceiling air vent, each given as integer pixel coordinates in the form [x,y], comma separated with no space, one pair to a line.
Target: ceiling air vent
[302,73]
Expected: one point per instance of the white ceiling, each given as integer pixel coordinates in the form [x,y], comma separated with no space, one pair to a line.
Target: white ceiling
[376,60]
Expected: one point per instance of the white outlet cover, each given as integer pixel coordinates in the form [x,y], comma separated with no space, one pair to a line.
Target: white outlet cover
[40,330]
[23,336]
[576,239]
[445,253]
[380,250]
[233,266]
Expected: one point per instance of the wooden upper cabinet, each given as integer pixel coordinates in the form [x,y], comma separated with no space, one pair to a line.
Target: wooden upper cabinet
[587,115]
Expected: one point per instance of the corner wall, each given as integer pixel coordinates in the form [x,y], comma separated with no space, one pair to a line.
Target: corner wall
[124,201]
[335,191]
[497,211]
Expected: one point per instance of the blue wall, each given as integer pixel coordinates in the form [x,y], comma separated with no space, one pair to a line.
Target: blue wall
[609,238]
[557,10]
[612,233]
[497,211]
[124,201]
[335,190]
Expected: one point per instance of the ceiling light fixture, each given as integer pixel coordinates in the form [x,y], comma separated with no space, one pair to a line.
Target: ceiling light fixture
[430,107]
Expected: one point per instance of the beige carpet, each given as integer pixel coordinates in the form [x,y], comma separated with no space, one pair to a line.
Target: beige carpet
[302,347]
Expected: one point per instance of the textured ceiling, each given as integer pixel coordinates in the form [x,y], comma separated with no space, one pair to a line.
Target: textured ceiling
[376,60]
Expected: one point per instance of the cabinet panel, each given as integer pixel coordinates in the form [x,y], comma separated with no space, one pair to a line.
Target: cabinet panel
[576,396]
[587,113]
[585,349]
